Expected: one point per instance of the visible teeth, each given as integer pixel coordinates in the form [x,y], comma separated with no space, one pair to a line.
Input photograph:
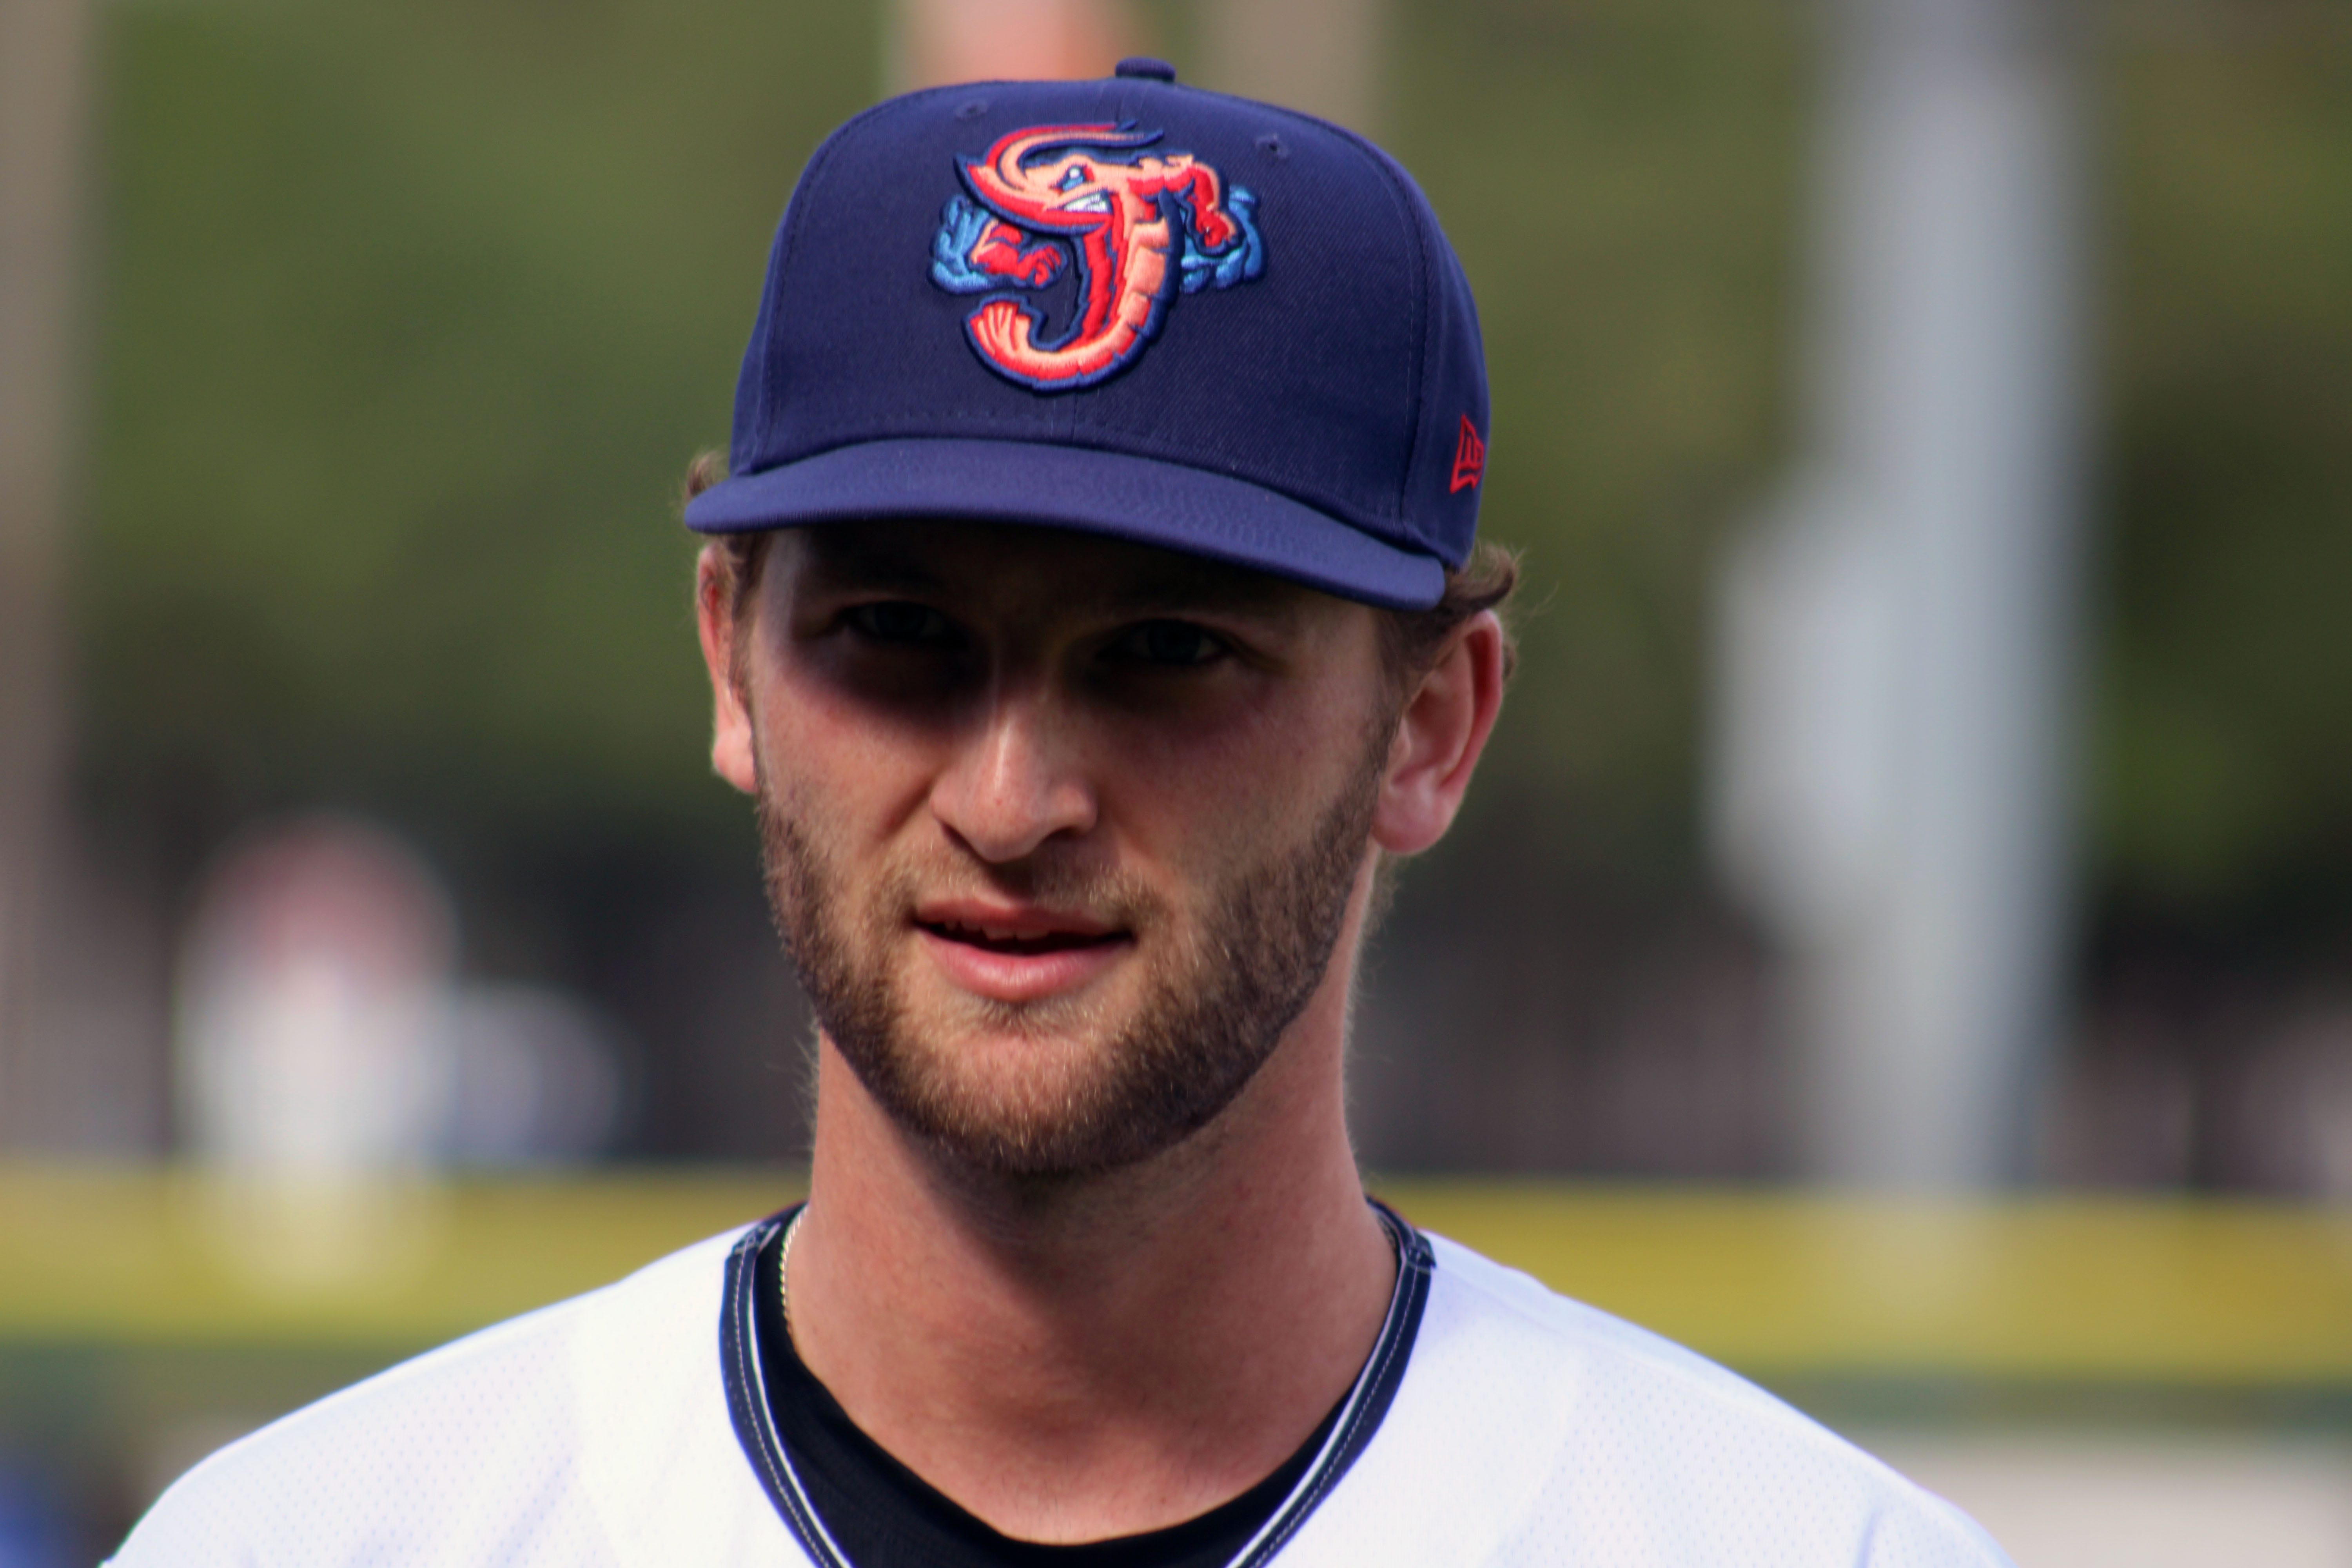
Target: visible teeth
[1009,936]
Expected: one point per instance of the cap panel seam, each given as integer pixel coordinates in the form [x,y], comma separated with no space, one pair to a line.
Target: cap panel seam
[1402,197]
[762,345]
[788,238]
[1402,194]
[787,241]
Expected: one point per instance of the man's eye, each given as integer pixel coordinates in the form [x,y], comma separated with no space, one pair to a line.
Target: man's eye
[899,621]
[1168,642]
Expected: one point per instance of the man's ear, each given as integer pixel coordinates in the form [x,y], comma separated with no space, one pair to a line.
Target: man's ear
[731,727]
[1443,729]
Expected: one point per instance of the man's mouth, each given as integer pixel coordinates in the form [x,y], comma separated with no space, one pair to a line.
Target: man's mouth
[1016,940]
[1015,954]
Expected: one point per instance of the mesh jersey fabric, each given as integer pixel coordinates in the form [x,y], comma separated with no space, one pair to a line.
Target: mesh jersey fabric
[1528,1431]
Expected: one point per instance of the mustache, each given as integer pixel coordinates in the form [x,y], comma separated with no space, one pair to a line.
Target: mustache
[1057,876]
[1065,883]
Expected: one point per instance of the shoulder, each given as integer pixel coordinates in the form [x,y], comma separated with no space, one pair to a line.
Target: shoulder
[494,1447]
[1536,1429]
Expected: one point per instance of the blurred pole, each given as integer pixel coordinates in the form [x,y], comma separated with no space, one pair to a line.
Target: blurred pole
[42,81]
[1321,56]
[927,43]
[1899,639]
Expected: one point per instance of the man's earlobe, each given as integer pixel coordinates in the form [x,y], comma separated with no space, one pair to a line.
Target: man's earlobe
[730,727]
[1439,738]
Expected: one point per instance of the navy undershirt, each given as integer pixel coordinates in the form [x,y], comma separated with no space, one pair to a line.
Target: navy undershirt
[883,1515]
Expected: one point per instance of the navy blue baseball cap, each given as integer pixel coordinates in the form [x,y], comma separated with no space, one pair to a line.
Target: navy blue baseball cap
[1127,307]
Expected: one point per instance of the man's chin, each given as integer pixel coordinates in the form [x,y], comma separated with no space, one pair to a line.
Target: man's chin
[1033,1131]
[1083,1020]
[1030,1092]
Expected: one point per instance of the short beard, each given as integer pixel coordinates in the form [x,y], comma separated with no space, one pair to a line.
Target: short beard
[1210,1016]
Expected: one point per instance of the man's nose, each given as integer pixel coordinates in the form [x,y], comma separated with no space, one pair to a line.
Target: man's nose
[1017,778]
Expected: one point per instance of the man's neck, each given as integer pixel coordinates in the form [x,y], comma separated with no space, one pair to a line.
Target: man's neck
[1087,1359]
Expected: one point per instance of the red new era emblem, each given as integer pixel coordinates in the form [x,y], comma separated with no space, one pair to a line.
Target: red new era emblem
[1469,457]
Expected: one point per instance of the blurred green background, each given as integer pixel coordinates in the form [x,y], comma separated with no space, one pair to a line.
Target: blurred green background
[406,319]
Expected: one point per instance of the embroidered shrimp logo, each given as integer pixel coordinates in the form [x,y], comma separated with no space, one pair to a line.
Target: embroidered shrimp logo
[1141,227]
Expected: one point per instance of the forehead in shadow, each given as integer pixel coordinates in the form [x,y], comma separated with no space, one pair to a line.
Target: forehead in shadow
[1028,569]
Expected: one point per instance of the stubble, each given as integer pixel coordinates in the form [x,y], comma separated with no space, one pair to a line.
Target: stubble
[1099,1092]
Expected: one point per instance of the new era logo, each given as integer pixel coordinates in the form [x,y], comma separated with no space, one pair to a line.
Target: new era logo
[1469,457]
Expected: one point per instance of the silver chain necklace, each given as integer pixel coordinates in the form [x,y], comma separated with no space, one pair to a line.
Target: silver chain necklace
[785,1267]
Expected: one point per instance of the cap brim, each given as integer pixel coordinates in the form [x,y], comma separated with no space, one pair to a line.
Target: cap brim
[1113,493]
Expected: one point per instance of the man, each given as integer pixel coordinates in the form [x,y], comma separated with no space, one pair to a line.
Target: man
[1093,607]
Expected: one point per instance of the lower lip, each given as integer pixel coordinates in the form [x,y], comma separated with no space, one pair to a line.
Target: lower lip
[1021,976]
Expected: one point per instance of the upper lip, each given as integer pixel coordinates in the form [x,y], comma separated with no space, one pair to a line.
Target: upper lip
[1009,922]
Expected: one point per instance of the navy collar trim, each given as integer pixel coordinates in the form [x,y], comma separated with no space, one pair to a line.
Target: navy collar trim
[1360,1417]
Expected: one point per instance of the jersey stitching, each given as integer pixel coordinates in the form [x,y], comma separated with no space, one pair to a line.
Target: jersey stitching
[1409,1271]
[739,1392]
[799,1512]
[1414,1261]
[816,1538]
[783,1483]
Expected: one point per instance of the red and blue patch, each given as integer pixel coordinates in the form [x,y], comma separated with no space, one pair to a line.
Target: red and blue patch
[1139,228]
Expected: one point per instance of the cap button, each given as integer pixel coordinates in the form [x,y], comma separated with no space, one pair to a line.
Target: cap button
[1145,66]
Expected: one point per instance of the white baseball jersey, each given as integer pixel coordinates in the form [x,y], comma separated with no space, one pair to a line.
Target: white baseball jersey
[1495,1423]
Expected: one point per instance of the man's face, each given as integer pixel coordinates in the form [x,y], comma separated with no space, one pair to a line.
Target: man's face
[1061,831]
